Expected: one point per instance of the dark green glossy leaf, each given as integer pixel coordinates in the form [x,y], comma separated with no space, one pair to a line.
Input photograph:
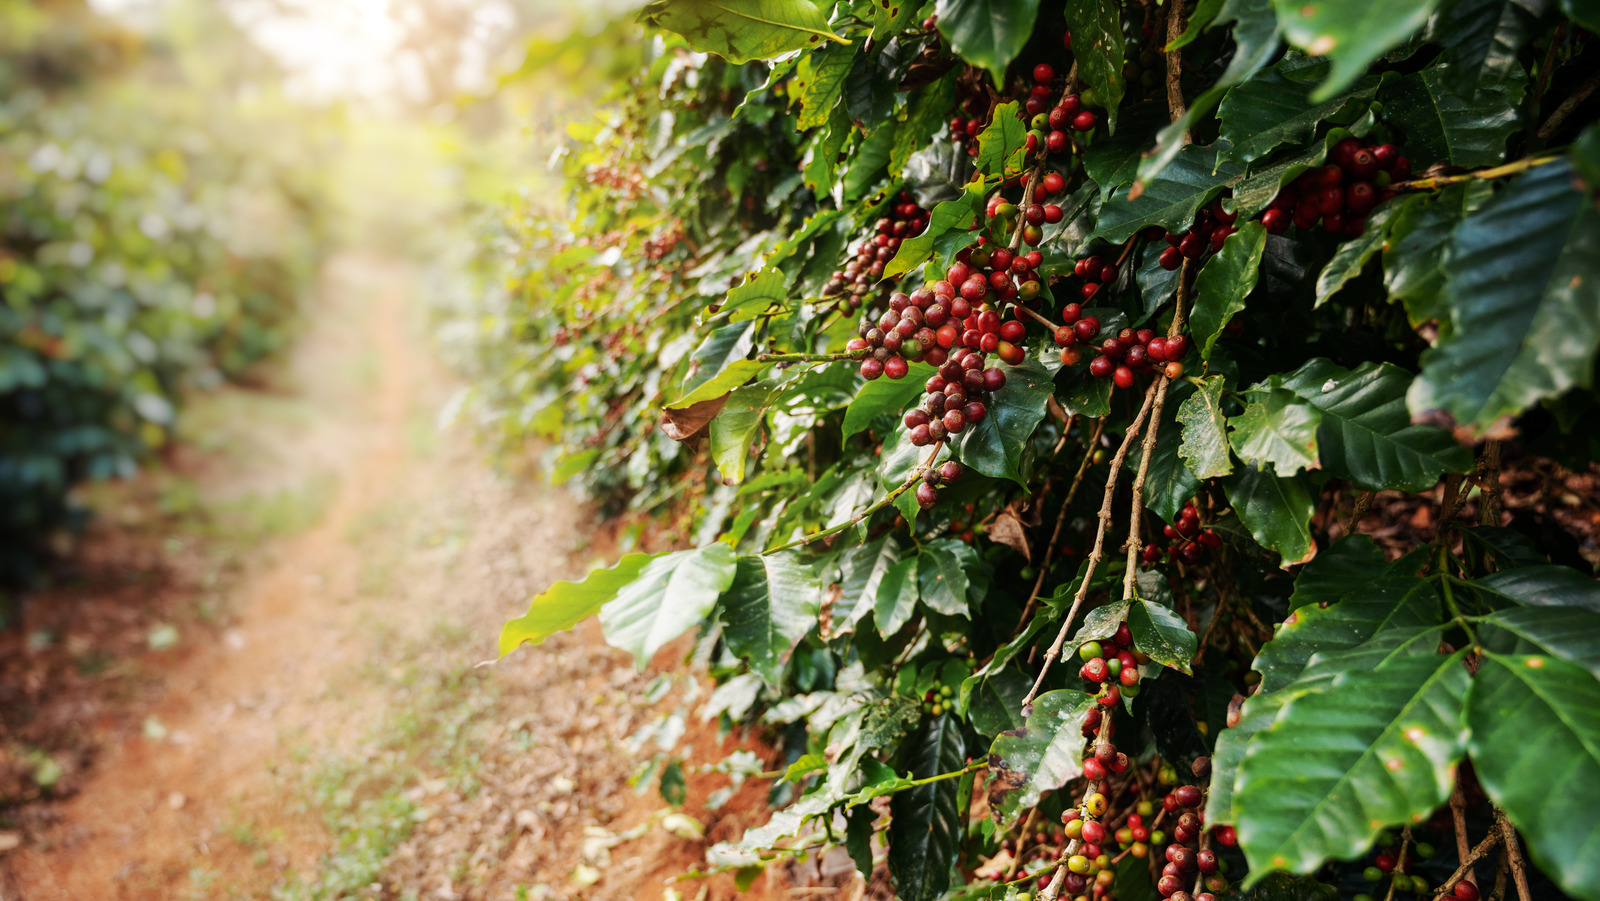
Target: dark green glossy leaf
[949,216]
[1541,586]
[999,142]
[994,446]
[929,115]
[670,596]
[1366,433]
[772,603]
[1351,33]
[987,33]
[1582,12]
[1354,255]
[1345,567]
[897,597]
[997,703]
[742,30]
[1171,199]
[1168,483]
[822,152]
[718,365]
[1441,127]
[949,577]
[1098,49]
[866,163]
[1162,634]
[1277,428]
[862,570]
[1377,747]
[1524,305]
[1536,748]
[1481,39]
[1419,236]
[1113,161]
[1283,887]
[1274,107]
[1571,633]
[1041,756]
[1277,511]
[1393,600]
[925,832]
[1224,283]
[858,838]
[1205,430]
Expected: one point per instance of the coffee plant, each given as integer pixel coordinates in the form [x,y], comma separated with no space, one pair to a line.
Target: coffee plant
[1019,378]
[147,247]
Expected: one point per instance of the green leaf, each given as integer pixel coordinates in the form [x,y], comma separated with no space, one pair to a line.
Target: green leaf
[1419,236]
[1163,635]
[1366,433]
[1536,749]
[1571,633]
[1583,13]
[773,602]
[817,81]
[1283,887]
[1354,255]
[822,152]
[1041,756]
[1345,567]
[1542,586]
[742,30]
[867,161]
[862,570]
[925,832]
[1171,199]
[994,446]
[1277,511]
[1393,600]
[1279,430]
[1000,140]
[718,365]
[1272,108]
[945,572]
[1524,305]
[1168,483]
[1205,431]
[565,604]
[1378,747]
[997,702]
[929,115]
[674,593]
[897,597]
[987,33]
[1224,283]
[858,838]
[1481,39]
[1441,127]
[1113,160]
[1098,48]
[736,426]
[885,396]
[1351,33]
[949,215]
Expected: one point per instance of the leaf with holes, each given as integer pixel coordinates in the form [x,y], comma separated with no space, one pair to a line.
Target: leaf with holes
[1205,430]
[1377,747]
[1524,303]
[1536,749]
[1041,756]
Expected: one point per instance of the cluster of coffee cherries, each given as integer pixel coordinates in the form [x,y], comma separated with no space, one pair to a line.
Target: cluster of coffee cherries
[1189,541]
[1211,227]
[1069,113]
[1123,357]
[1095,272]
[937,700]
[1109,665]
[976,107]
[862,274]
[1035,216]
[1341,193]
[954,398]
[934,477]
[1089,871]
[1390,863]
[1184,860]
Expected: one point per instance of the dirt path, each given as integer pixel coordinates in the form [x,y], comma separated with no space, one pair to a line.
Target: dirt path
[331,738]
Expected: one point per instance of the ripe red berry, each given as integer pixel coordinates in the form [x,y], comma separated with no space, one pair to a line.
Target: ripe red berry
[1095,670]
[1084,121]
[1345,150]
[1100,367]
[927,495]
[1056,141]
[1187,795]
[1108,273]
[1465,891]
[1094,771]
[871,368]
[1052,213]
[895,367]
[1043,73]
[1065,336]
[1012,331]
[1361,197]
[1088,290]
[1363,164]
[1192,246]
[1087,328]
[1172,258]
[1122,377]
[1276,222]
[1053,183]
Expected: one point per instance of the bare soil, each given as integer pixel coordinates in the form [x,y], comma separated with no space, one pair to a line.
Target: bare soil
[255,676]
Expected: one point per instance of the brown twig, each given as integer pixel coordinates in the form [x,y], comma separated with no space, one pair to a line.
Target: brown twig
[1560,113]
[1467,860]
[1024,311]
[1399,862]
[1363,504]
[811,358]
[1489,484]
[1175,104]
[1061,522]
[1458,813]
[1022,837]
[1054,888]
[1136,514]
[1027,197]
[1098,552]
[1519,868]
[1556,38]
[1502,869]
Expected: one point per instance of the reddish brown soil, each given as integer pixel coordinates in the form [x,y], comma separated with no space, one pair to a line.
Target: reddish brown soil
[319,644]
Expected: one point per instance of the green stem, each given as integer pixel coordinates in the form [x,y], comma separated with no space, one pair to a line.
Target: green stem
[811,358]
[885,501]
[1435,182]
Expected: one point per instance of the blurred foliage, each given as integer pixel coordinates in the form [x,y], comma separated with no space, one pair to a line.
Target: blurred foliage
[156,228]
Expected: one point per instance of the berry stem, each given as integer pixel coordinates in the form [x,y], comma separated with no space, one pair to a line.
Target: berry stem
[1363,504]
[1447,888]
[1061,522]
[886,500]
[1399,862]
[811,358]
[1037,318]
[1027,198]
[1102,734]
[1098,553]
[1561,112]
[1435,182]
[1458,813]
